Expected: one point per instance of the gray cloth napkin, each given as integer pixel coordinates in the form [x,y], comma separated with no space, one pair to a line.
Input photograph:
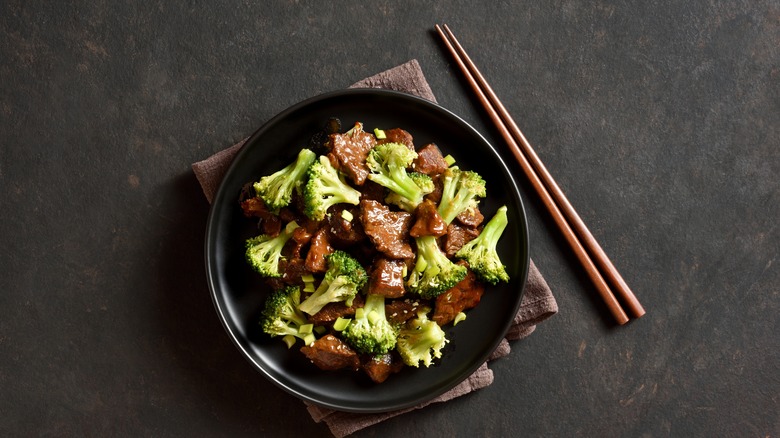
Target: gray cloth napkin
[537,305]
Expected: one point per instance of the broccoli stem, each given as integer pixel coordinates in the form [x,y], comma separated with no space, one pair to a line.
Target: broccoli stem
[429,257]
[433,272]
[326,293]
[481,253]
[460,190]
[387,163]
[375,304]
[494,229]
[404,184]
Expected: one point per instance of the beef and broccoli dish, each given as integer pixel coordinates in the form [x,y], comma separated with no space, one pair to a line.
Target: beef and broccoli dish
[369,246]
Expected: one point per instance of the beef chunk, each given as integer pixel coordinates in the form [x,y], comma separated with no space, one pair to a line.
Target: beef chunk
[430,161]
[463,296]
[295,213]
[380,367]
[387,278]
[318,141]
[293,269]
[457,236]
[270,223]
[373,191]
[350,150]
[255,207]
[310,225]
[400,311]
[398,135]
[319,248]
[438,188]
[332,311]
[300,238]
[470,217]
[427,221]
[388,230]
[331,353]
[271,226]
[343,232]
[275,283]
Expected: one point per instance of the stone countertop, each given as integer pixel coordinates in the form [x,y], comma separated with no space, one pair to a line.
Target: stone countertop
[660,120]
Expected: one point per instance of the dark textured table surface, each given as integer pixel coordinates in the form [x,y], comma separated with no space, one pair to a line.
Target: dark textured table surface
[659,119]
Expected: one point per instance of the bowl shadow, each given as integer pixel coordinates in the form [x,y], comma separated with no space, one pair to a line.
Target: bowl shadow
[228,387]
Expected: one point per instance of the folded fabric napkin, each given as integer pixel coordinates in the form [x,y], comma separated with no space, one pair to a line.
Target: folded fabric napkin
[537,305]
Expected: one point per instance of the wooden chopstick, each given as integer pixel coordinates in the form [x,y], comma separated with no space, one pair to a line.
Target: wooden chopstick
[584,245]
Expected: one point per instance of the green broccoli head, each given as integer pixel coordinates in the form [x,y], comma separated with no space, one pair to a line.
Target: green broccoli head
[481,252]
[281,315]
[326,187]
[423,181]
[342,282]
[370,332]
[461,189]
[433,272]
[420,340]
[264,252]
[276,189]
[387,164]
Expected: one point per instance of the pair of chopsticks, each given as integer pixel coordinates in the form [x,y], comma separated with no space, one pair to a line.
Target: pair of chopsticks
[608,281]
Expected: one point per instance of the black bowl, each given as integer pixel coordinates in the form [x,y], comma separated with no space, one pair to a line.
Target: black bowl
[239,293]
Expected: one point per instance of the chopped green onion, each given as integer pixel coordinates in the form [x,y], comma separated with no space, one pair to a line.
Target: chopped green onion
[309,339]
[347,215]
[291,227]
[341,323]
[306,329]
[449,159]
[308,282]
[360,313]
[380,134]
[458,318]
[320,330]
[373,317]
[289,340]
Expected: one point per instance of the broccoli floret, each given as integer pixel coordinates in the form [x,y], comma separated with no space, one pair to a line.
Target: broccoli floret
[276,189]
[423,181]
[326,187]
[420,340]
[460,191]
[387,164]
[370,332]
[433,272]
[263,252]
[481,251]
[342,281]
[281,315]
